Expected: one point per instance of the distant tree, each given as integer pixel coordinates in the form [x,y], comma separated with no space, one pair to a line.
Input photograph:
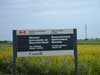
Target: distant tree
[5,41]
[86,38]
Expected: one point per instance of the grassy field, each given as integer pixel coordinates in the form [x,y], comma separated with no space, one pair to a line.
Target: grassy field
[89,62]
[90,41]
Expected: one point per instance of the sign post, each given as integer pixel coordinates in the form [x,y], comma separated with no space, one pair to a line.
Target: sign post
[14,52]
[44,43]
[75,52]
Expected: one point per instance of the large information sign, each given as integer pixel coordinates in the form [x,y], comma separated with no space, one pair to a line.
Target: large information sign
[44,42]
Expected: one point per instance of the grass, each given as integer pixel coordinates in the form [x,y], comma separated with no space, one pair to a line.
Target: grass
[89,42]
[89,62]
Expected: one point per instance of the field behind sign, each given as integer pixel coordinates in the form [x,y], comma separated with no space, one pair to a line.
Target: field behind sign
[88,54]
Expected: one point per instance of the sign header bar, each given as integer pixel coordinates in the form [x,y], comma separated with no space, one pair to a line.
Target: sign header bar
[44,32]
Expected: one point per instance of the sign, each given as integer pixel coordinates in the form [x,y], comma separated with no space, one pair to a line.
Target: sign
[44,42]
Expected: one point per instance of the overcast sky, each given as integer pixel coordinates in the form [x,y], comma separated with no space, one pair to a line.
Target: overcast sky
[49,14]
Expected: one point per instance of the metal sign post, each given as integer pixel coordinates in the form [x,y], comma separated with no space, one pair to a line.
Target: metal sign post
[14,52]
[75,52]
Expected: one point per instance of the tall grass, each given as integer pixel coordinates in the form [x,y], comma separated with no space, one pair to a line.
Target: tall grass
[89,62]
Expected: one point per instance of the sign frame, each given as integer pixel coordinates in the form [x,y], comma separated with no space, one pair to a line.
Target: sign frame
[74,45]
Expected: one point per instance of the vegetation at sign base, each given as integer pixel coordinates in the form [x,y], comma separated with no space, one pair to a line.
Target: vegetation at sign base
[89,62]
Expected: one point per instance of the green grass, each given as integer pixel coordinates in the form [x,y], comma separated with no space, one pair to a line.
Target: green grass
[89,42]
[89,62]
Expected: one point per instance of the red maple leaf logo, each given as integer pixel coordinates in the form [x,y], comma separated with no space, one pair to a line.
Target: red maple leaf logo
[22,32]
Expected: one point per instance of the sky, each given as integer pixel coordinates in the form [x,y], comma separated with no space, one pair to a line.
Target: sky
[50,14]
